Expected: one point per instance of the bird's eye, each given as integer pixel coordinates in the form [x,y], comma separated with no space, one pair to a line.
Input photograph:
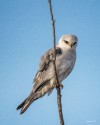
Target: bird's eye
[74,43]
[66,41]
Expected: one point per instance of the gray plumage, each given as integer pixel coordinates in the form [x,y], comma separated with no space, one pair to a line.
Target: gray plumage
[44,81]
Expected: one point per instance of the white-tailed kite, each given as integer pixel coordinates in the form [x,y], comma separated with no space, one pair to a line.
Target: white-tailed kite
[45,81]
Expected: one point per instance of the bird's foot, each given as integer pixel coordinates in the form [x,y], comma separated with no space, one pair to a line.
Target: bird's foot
[59,86]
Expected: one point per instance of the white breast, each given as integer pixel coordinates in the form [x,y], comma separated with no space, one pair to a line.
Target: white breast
[65,63]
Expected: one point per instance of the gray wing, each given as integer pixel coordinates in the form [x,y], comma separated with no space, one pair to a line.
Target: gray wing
[45,67]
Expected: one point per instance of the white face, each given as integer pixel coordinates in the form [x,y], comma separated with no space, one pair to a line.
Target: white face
[68,42]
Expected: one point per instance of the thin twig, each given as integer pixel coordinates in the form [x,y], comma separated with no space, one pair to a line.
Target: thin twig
[54,63]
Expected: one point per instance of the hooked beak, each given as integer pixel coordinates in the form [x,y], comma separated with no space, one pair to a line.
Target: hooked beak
[72,44]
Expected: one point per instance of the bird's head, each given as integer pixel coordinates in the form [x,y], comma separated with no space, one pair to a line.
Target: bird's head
[68,42]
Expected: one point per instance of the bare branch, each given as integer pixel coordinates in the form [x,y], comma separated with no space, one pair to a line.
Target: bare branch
[54,63]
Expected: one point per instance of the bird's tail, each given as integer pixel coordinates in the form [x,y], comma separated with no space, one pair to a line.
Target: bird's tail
[28,101]
[25,104]
[32,97]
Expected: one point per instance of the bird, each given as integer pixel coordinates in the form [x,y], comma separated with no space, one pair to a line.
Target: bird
[45,80]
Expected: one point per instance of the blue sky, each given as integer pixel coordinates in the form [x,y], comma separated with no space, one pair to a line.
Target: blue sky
[25,34]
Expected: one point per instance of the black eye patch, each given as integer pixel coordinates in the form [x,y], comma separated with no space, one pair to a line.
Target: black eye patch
[66,41]
[74,43]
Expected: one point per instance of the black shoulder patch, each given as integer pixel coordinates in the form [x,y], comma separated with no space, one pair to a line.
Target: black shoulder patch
[58,51]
